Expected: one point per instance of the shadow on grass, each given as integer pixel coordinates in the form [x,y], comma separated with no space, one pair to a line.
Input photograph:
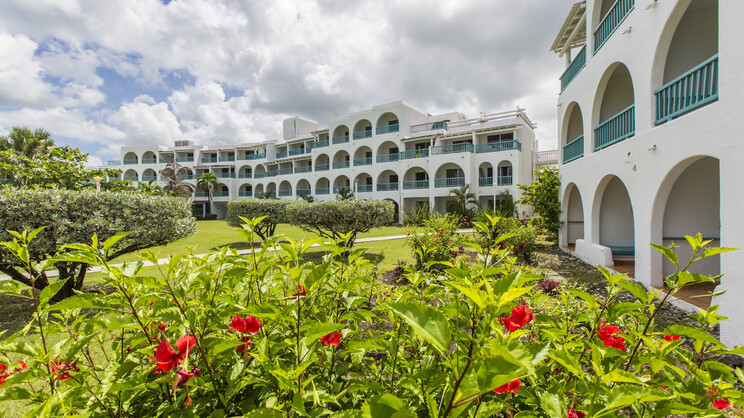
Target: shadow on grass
[374,257]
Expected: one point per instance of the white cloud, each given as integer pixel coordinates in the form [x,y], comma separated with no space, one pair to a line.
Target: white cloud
[61,122]
[145,122]
[21,82]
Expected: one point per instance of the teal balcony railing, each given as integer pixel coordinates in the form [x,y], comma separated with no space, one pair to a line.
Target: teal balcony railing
[303,169]
[687,92]
[284,171]
[129,162]
[186,176]
[245,193]
[209,160]
[148,178]
[386,129]
[162,160]
[363,134]
[340,164]
[184,159]
[573,150]
[251,156]
[272,173]
[340,139]
[323,191]
[386,158]
[245,175]
[504,180]
[285,193]
[227,158]
[322,143]
[303,192]
[362,161]
[338,189]
[429,126]
[200,194]
[485,181]
[618,12]
[449,182]
[387,187]
[615,129]
[498,146]
[415,184]
[113,162]
[298,151]
[220,193]
[578,63]
[452,148]
[259,175]
[364,188]
[414,153]
[225,175]
[149,161]
[322,167]
[282,154]
[133,178]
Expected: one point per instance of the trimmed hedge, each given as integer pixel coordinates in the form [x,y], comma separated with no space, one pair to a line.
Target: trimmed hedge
[274,210]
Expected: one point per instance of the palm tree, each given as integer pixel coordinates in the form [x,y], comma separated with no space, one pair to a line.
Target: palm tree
[26,143]
[345,193]
[463,198]
[171,175]
[307,198]
[208,182]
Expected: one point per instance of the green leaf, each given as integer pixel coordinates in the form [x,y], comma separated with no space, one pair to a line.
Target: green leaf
[621,376]
[634,289]
[553,402]
[12,286]
[315,331]
[716,250]
[568,361]
[690,332]
[113,240]
[14,393]
[622,396]
[669,408]
[386,406]
[81,301]
[478,296]
[49,292]
[589,299]
[427,322]
[266,413]
[668,253]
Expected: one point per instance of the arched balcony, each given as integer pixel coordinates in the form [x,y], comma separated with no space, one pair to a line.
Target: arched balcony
[415,178]
[363,183]
[387,123]
[285,189]
[149,175]
[322,186]
[363,129]
[615,107]
[340,134]
[572,138]
[322,163]
[363,156]
[504,174]
[387,181]
[131,175]
[130,158]
[341,160]
[149,157]
[449,175]
[303,188]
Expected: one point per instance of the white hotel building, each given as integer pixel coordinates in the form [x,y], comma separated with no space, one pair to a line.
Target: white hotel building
[650,130]
[393,151]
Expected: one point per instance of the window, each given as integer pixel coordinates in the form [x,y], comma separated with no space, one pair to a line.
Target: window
[452,173]
[392,122]
[507,137]
[420,176]
[393,151]
[505,171]
[393,178]
[421,145]
[368,154]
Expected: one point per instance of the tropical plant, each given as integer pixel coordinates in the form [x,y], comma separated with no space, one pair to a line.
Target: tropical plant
[208,182]
[60,217]
[171,175]
[542,195]
[432,245]
[345,193]
[307,198]
[505,205]
[463,201]
[271,212]
[150,188]
[26,143]
[418,216]
[265,195]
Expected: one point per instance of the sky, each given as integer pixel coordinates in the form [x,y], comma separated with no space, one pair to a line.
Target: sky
[100,75]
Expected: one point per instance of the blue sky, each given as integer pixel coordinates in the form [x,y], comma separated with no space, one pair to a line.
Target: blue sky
[102,75]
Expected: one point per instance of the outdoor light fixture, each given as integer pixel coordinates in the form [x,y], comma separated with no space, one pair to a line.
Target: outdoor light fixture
[98,183]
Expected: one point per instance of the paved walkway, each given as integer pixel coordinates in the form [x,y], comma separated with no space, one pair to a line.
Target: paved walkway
[161,261]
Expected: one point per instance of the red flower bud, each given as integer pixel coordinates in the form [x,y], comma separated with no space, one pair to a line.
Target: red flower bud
[333,338]
[511,387]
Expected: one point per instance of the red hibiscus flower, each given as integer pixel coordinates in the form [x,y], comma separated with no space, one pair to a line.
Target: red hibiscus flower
[609,336]
[168,358]
[246,343]
[575,414]
[4,374]
[182,377]
[509,323]
[61,369]
[615,342]
[333,338]
[511,387]
[722,403]
[162,327]
[300,292]
[521,316]
[252,325]
[671,337]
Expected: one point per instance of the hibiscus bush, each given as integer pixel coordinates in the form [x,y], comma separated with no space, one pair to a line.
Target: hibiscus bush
[433,244]
[271,334]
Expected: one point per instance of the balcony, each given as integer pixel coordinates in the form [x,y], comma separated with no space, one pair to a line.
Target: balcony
[363,134]
[364,188]
[272,173]
[227,159]
[615,129]
[498,146]
[578,63]
[149,161]
[303,169]
[387,187]
[340,139]
[225,175]
[386,158]
[184,159]
[200,194]
[415,184]
[284,171]
[244,193]
[449,182]
[282,154]
[162,160]
[130,162]
[303,192]
[132,178]
[611,21]
[573,150]
[259,175]
[322,167]
[220,193]
[113,162]
[209,160]
[149,178]
[414,153]
[452,148]
[323,191]
[245,175]
[386,129]
[285,193]
[485,181]
[298,151]
[251,157]
[429,126]
[504,180]
[323,143]
[338,189]
[340,164]
[186,176]
[687,92]
[362,161]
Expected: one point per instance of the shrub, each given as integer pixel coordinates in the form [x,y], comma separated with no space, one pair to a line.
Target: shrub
[341,219]
[274,210]
[270,334]
[433,243]
[493,231]
[210,217]
[542,195]
[418,216]
[69,217]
